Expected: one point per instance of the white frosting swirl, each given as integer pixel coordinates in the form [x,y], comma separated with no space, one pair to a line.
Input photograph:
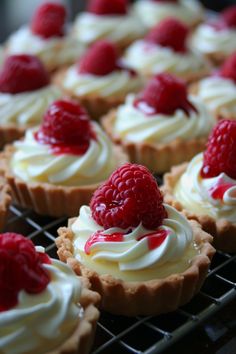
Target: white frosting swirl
[117,83]
[208,40]
[90,27]
[195,193]
[152,12]
[133,125]
[148,58]
[42,322]
[132,254]
[219,94]
[26,108]
[53,52]
[33,162]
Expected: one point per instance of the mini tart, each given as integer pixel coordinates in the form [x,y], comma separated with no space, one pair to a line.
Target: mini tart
[5,201]
[151,297]
[45,198]
[221,112]
[223,231]
[157,157]
[97,106]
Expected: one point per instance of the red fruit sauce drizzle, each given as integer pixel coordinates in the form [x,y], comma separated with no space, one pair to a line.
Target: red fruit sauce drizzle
[20,269]
[60,148]
[154,239]
[218,191]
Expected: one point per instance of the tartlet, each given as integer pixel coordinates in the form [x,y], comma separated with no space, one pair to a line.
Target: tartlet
[165,48]
[161,125]
[138,262]
[57,166]
[205,188]
[216,39]
[151,12]
[47,37]
[38,313]
[25,93]
[98,80]
[110,20]
[218,91]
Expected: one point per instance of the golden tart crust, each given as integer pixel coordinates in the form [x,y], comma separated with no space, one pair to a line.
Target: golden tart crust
[151,297]
[46,198]
[10,133]
[5,201]
[223,231]
[157,157]
[96,106]
[81,340]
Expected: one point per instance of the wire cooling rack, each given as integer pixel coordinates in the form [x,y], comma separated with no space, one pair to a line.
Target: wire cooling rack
[149,335]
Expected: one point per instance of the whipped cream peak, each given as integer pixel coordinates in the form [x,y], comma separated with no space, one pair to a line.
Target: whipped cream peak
[136,248]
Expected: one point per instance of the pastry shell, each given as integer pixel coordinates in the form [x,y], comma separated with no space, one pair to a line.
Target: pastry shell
[81,340]
[219,113]
[96,106]
[159,157]
[151,297]
[223,231]
[46,198]
[5,201]
[10,133]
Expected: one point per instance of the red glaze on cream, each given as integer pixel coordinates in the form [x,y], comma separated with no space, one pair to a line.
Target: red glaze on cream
[218,191]
[154,239]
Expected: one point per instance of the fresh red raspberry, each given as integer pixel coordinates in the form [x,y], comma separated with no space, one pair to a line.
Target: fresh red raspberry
[22,73]
[66,123]
[129,197]
[220,154]
[169,33]
[228,69]
[48,20]
[20,269]
[165,94]
[108,7]
[100,59]
[229,16]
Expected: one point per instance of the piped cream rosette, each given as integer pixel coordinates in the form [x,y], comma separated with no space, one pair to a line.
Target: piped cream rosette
[54,52]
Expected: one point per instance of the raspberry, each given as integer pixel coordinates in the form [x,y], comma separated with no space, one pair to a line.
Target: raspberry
[48,20]
[220,154]
[129,197]
[20,269]
[169,33]
[22,73]
[229,16]
[164,93]
[228,69]
[66,123]
[100,59]
[108,7]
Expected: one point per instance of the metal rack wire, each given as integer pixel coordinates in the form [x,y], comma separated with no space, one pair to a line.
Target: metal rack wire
[116,334]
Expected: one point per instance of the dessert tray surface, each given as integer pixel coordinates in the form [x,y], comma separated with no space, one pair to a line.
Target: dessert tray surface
[149,335]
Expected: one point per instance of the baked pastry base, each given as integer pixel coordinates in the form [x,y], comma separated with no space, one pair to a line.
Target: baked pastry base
[10,133]
[151,297]
[5,201]
[96,106]
[158,157]
[49,199]
[81,340]
[221,112]
[223,231]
